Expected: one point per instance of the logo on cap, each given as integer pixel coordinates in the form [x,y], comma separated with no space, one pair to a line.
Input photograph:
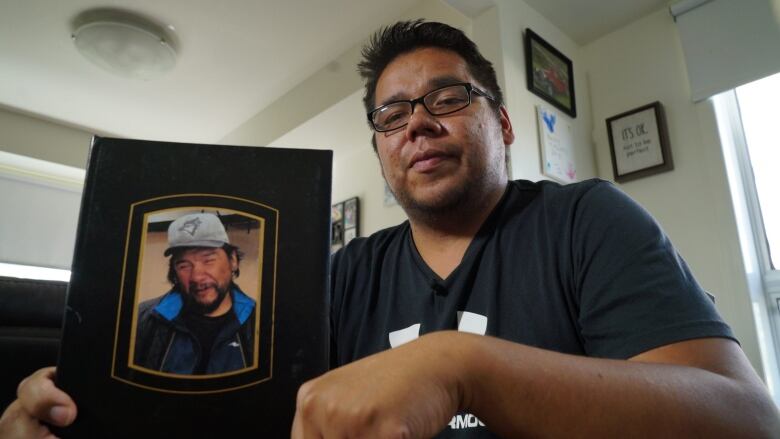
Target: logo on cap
[190,226]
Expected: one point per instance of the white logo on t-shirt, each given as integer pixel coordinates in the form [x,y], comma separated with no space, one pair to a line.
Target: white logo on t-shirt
[467,322]
[472,322]
[467,420]
[401,336]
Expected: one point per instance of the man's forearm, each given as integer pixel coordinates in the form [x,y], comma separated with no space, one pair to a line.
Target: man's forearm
[520,391]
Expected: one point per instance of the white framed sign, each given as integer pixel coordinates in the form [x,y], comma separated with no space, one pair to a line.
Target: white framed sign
[639,143]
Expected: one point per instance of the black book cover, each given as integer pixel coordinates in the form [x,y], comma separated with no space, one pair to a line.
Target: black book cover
[150,256]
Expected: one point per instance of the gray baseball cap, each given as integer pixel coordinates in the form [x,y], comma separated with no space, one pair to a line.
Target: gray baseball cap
[196,230]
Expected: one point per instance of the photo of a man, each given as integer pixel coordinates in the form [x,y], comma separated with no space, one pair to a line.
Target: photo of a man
[205,324]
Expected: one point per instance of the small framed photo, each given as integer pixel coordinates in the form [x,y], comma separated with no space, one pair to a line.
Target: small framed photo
[336,226]
[349,235]
[344,223]
[549,73]
[639,143]
[350,213]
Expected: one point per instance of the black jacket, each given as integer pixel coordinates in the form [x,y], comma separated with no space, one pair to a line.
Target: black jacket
[163,342]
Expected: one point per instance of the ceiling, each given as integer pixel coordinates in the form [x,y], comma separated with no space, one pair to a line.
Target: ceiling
[586,20]
[235,58]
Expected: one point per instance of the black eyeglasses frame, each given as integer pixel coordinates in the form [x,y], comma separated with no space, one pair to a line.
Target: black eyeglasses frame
[421,100]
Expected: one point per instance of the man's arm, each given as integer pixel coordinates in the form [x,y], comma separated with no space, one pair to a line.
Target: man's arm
[696,388]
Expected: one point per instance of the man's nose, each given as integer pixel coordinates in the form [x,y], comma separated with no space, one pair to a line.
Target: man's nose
[198,272]
[421,122]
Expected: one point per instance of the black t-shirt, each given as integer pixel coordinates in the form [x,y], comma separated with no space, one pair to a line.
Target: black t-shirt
[580,269]
[205,330]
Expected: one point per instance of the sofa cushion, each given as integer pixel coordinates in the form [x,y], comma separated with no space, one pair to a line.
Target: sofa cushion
[31,314]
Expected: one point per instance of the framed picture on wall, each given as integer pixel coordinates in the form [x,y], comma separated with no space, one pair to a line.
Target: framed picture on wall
[345,223]
[639,143]
[557,146]
[549,73]
[336,227]
[350,213]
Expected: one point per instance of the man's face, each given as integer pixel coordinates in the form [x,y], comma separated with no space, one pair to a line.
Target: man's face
[436,163]
[204,275]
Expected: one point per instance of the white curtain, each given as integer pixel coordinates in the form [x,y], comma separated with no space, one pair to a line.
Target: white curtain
[728,43]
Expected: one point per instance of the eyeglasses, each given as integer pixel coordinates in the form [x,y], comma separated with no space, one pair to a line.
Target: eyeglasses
[444,100]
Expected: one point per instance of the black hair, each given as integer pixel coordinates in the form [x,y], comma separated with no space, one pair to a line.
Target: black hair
[406,36]
[176,252]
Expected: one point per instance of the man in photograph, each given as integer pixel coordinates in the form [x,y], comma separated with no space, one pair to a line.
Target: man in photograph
[205,324]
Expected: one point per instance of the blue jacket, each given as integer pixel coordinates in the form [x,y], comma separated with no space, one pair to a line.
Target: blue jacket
[164,343]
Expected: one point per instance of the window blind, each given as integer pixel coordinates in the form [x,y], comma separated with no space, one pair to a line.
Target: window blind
[727,43]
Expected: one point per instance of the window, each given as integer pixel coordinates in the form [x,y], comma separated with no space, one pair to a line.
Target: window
[758,103]
[40,204]
[32,272]
[749,133]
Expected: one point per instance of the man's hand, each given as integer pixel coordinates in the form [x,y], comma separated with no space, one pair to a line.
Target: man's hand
[411,391]
[38,401]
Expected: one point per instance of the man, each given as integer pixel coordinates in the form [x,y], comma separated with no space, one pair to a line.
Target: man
[593,326]
[205,324]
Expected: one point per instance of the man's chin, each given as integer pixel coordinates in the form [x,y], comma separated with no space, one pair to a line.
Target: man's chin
[440,197]
[205,301]
[202,308]
[205,297]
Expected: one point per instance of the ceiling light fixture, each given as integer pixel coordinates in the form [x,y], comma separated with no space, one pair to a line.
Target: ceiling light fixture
[124,43]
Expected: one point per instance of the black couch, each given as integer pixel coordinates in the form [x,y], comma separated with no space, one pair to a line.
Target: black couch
[30,325]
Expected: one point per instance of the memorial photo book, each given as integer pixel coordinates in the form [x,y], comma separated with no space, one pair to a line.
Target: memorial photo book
[198,299]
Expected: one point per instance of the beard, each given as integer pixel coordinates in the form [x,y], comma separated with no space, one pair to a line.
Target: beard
[461,196]
[192,305]
[440,204]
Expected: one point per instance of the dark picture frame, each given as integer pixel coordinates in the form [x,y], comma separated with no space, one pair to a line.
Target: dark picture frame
[549,73]
[345,223]
[639,143]
[280,213]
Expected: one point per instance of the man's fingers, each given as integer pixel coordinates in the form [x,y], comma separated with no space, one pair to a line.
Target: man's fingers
[40,398]
[297,428]
[303,426]
[305,430]
[16,423]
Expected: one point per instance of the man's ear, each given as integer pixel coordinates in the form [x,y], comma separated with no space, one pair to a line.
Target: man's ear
[233,261]
[506,126]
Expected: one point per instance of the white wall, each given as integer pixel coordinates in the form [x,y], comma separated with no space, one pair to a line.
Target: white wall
[514,17]
[342,127]
[356,171]
[642,63]
[324,88]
